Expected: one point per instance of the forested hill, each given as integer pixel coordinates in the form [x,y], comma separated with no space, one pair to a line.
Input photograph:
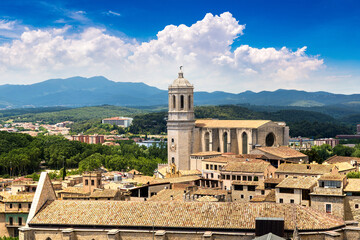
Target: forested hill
[79,91]
[301,123]
[153,121]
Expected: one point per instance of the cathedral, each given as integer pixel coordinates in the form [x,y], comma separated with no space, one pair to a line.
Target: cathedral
[187,135]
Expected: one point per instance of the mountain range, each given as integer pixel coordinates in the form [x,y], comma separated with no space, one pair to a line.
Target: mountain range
[79,91]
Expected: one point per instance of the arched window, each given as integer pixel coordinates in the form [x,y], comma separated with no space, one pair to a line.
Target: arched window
[244,143]
[182,102]
[173,160]
[189,102]
[207,141]
[225,136]
[48,238]
[173,101]
[270,140]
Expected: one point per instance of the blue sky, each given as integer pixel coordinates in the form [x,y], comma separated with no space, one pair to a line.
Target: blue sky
[328,29]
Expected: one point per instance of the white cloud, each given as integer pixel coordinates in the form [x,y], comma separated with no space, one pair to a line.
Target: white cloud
[112,13]
[204,48]
[7,25]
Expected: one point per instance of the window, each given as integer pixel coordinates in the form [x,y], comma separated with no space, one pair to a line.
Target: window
[211,166]
[356,205]
[238,187]
[244,178]
[189,102]
[262,192]
[10,205]
[207,175]
[233,177]
[207,166]
[20,205]
[239,178]
[242,196]
[281,200]
[286,190]
[244,143]
[108,198]
[172,140]
[29,205]
[222,176]
[92,182]
[215,167]
[20,221]
[11,221]
[182,102]
[212,175]
[256,178]
[218,176]
[86,182]
[99,182]
[251,188]
[249,178]
[250,197]
[174,102]
[227,177]
[270,140]
[48,238]
[173,160]
[328,208]
[291,200]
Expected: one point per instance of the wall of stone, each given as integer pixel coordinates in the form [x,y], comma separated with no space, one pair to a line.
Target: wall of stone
[351,212]
[264,130]
[337,204]
[3,229]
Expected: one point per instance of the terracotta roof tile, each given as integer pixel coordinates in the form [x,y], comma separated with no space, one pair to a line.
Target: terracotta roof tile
[19,198]
[104,193]
[211,153]
[210,192]
[298,182]
[207,199]
[254,167]
[315,169]
[330,176]
[210,123]
[168,195]
[282,152]
[199,215]
[353,185]
[336,159]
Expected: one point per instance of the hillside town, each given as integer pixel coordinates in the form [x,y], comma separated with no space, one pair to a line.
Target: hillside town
[225,179]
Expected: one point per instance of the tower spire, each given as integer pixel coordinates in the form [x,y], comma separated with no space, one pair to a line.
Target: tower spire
[181,74]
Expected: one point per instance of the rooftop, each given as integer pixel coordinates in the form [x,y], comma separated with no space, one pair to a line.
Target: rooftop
[207,199]
[210,123]
[344,166]
[211,153]
[298,182]
[269,197]
[337,159]
[282,152]
[210,192]
[168,195]
[254,167]
[332,177]
[176,214]
[352,185]
[314,169]
[19,198]
[104,193]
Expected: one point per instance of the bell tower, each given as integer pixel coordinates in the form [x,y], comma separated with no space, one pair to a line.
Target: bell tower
[181,122]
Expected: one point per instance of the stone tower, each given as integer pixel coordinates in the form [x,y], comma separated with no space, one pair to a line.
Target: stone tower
[181,122]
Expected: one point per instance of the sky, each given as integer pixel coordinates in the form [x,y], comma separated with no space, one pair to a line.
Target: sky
[231,46]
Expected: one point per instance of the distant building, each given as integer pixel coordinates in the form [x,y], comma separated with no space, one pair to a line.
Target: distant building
[331,141]
[90,139]
[356,136]
[119,121]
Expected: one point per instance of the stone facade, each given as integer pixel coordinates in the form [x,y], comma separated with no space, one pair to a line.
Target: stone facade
[319,202]
[181,123]
[187,136]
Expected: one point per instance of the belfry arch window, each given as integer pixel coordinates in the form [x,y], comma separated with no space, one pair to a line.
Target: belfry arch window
[207,141]
[173,102]
[244,138]
[225,137]
[270,139]
[182,102]
[189,102]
